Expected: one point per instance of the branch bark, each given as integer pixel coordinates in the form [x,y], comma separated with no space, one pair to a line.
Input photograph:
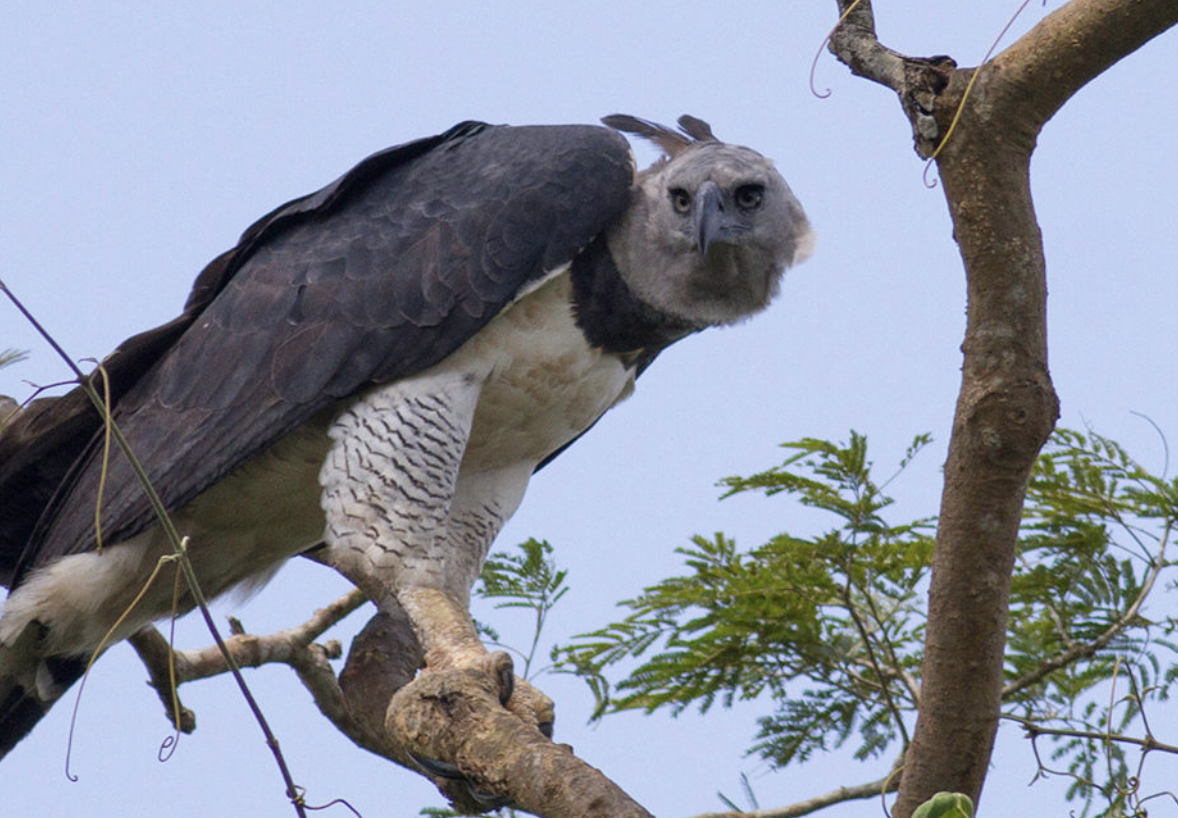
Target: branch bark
[448,726]
[1007,405]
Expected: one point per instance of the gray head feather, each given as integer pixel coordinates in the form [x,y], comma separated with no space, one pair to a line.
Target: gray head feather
[710,229]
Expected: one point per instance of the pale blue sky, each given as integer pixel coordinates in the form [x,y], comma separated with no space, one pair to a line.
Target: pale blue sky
[138,140]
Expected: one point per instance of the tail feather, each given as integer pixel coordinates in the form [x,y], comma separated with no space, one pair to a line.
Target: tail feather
[19,714]
[28,689]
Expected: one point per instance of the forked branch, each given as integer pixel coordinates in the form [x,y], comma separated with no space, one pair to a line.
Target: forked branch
[1007,405]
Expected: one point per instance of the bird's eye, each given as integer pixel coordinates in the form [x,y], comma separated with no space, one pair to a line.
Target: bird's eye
[681,200]
[748,197]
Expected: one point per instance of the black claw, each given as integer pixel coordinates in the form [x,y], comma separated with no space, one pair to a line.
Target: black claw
[488,800]
[504,676]
[450,772]
[437,767]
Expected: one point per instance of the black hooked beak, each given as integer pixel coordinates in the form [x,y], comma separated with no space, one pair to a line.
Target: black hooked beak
[712,223]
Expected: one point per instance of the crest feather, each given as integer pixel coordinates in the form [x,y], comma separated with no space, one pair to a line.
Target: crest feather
[691,130]
[697,129]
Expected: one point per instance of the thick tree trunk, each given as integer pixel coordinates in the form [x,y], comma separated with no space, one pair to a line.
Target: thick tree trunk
[1005,411]
[1007,406]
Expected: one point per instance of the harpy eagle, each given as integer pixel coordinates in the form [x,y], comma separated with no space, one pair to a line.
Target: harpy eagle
[377,369]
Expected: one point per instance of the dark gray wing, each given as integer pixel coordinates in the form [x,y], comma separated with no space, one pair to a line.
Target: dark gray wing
[378,276]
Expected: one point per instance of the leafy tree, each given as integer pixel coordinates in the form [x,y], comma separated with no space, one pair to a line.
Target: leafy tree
[828,627]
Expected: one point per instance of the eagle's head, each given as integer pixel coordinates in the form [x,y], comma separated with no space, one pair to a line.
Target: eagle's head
[710,228]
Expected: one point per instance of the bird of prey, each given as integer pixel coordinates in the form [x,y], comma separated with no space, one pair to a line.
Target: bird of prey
[377,369]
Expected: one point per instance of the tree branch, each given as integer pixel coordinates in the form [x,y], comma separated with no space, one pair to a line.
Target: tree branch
[156,655]
[856,45]
[1070,47]
[1007,405]
[247,650]
[1034,730]
[481,755]
[885,689]
[872,789]
[917,81]
[497,753]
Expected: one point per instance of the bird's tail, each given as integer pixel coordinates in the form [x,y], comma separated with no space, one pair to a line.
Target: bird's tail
[29,686]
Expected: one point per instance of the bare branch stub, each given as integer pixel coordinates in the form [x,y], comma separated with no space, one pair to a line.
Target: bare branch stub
[155,653]
[917,81]
[856,45]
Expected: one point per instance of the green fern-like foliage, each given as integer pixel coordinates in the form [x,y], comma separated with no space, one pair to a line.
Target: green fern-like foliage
[8,406]
[833,619]
[10,356]
[830,626]
[1094,549]
[529,579]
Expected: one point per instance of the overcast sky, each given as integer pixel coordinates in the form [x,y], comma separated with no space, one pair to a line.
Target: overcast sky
[138,140]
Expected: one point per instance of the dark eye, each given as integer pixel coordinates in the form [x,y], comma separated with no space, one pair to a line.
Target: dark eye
[681,200]
[748,197]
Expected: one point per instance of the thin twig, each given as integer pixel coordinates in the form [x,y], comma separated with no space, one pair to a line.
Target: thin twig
[1034,729]
[872,789]
[1088,648]
[884,687]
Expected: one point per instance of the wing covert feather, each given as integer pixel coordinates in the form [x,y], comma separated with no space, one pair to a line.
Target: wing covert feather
[375,277]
